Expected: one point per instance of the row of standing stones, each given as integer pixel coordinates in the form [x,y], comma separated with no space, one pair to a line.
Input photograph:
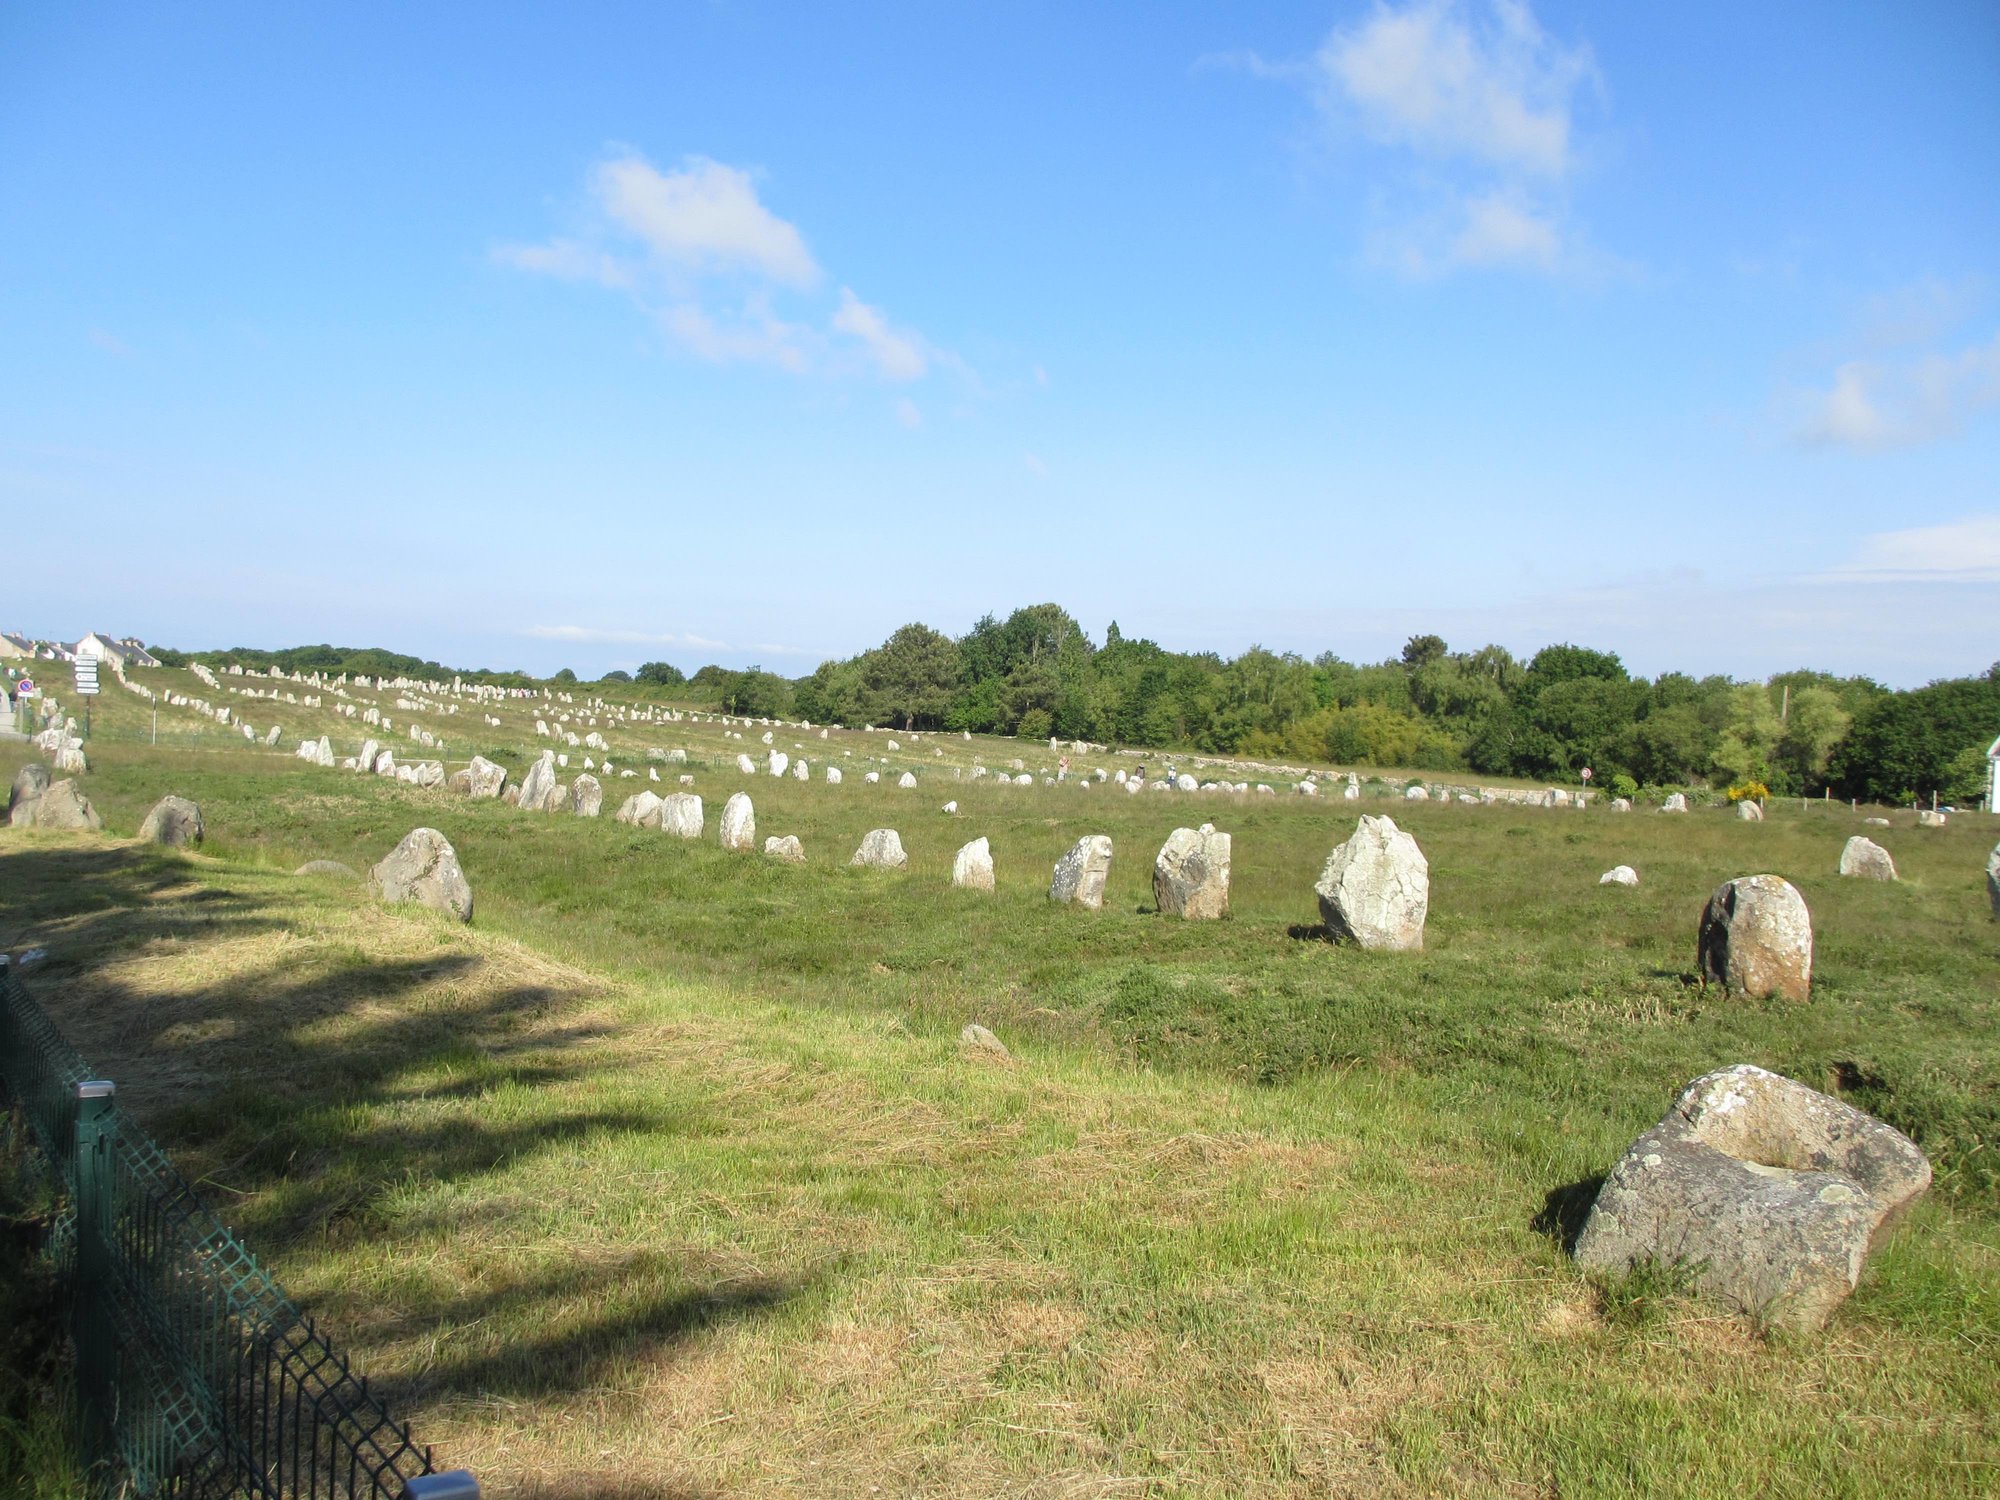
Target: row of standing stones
[1769,1194]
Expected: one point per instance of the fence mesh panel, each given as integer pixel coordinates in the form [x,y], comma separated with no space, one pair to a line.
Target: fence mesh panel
[196,1370]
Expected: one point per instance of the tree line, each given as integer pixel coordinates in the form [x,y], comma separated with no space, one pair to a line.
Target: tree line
[1037,673]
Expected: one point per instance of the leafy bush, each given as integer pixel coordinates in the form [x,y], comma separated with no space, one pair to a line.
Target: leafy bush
[1749,791]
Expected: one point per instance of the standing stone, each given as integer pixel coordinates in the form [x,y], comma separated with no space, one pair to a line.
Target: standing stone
[1185,783]
[1756,939]
[1929,819]
[1866,860]
[972,867]
[1080,875]
[780,762]
[1621,804]
[1191,874]
[63,805]
[746,765]
[801,771]
[424,869]
[787,849]
[586,796]
[1993,880]
[1678,802]
[906,780]
[976,1038]
[325,754]
[683,816]
[833,775]
[484,778]
[1749,811]
[1376,888]
[70,759]
[1771,1193]
[641,810]
[881,849]
[30,782]
[1619,875]
[365,761]
[739,824]
[539,785]
[174,821]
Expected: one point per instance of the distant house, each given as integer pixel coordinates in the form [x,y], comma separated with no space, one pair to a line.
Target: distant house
[13,646]
[126,650]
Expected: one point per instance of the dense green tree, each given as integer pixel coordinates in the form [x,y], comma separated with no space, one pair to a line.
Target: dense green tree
[661,673]
[911,677]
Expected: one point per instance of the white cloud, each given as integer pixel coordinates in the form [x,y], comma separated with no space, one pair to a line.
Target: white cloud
[1474,108]
[1965,551]
[1885,402]
[1500,229]
[704,218]
[907,413]
[1457,81]
[697,249]
[897,353]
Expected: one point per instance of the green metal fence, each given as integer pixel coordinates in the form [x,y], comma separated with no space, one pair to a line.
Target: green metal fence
[198,1376]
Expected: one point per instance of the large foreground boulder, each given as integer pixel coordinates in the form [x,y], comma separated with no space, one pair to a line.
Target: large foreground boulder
[1756,939]
[1376,888]
[1191,874]
[29,783]
[739,824]
[972,866]
[174,821]
[63,805]
[1080,875]
[1865,859]
[424,869]
[1769,1193]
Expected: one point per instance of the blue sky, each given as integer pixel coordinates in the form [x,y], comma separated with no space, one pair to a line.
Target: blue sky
[594,334]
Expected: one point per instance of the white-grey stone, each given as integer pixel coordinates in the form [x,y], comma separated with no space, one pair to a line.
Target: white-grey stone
[62,805]
[739,824]
[951,807]
[1619,875]
[1772,1194]
[906,780]
[1756,938]
[1191,874]
[788,849]
[976,1038]
[641,810]
[424,868]
[779,762]
[1993,880]
[1749,811]
[538,787]
[1865,859]
[586,796]
[972,867]
[746,765]
[1081,874]
[486,778]
[871,777]
[1929,819]
[682,815]
[1676,802]
[833,775]
[1376,888]
[881,849]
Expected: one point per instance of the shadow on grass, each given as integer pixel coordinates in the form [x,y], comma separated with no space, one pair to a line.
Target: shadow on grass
[1309,932]
[311,1088]
[1565,1210]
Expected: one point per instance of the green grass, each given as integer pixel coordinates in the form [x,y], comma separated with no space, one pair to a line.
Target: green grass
[670,1168]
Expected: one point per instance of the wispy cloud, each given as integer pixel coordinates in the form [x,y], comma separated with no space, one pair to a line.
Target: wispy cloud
[1899,400]
[1966,551]
[1472,108]
[723,276]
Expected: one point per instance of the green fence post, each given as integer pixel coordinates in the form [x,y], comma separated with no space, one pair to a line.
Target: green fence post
[90,1315]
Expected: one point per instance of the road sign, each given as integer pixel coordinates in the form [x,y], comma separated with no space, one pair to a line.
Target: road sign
[1586,773]
[86,676]
[25,688]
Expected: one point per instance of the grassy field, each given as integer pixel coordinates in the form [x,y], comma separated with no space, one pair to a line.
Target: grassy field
[667,1177]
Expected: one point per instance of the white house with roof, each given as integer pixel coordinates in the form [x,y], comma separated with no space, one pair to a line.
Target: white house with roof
[126,650]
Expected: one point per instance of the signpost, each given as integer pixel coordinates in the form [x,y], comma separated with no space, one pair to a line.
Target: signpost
[85,668]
